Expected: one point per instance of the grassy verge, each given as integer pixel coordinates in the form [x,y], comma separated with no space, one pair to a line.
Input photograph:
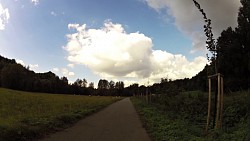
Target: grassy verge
[163,127]
[25,116]
[183,117]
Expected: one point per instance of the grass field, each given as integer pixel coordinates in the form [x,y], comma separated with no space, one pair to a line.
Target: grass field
[184,118]
[25,115]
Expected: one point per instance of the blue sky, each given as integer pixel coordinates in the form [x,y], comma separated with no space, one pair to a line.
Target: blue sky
[166,38]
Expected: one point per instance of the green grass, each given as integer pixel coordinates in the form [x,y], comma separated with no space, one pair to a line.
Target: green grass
[183,117]
[161,126]
[25,115]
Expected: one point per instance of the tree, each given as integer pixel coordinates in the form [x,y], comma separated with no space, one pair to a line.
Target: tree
[65,80]
[234,51]
[165,80]
[103,84]
[120,87]
[78,82]
[12,76]
[111,85]
[243,31]
[134,89]
[84,83]
[210,39]
[91,85]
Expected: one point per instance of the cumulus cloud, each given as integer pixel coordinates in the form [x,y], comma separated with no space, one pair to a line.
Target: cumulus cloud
[189,20]
[175,66]
[31,66]
[63,71]
[4,16]
[35,2]
[111,52]
[66,72]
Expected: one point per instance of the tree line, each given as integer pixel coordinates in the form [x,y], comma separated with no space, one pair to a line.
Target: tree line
[18,77]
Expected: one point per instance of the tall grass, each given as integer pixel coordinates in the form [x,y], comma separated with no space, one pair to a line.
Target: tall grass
[25,115]
[183,117]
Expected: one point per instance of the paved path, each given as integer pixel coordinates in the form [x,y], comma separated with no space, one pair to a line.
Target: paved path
[117,122]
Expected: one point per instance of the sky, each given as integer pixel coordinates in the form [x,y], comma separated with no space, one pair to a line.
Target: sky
[134,41]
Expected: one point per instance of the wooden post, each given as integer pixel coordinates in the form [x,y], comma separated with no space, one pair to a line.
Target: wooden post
[221,106]
[218,104]
[209,104]
[218,108]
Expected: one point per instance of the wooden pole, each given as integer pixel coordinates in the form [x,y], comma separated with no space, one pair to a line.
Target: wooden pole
[219,97]
[222,97]
[209,103]
[215,102]
[218,104]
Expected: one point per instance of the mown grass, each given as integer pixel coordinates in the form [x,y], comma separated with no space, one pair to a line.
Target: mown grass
[183,117]
[25,115]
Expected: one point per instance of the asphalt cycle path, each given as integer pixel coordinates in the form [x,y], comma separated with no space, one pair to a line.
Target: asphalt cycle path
[117,122]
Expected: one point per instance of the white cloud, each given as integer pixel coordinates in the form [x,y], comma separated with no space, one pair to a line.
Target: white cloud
[4,16]
[35,2]
[66,72]
[71,65]
[53,13]
[112,53]
[55,69]
[110,47]
[175,66]
[20,62]
[31,66]
[71,74]
[189,20]
[63,72]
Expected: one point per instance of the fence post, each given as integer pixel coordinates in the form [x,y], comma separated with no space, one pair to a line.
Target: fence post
[218,104]
[218,108]
[209,104]
[221,106]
